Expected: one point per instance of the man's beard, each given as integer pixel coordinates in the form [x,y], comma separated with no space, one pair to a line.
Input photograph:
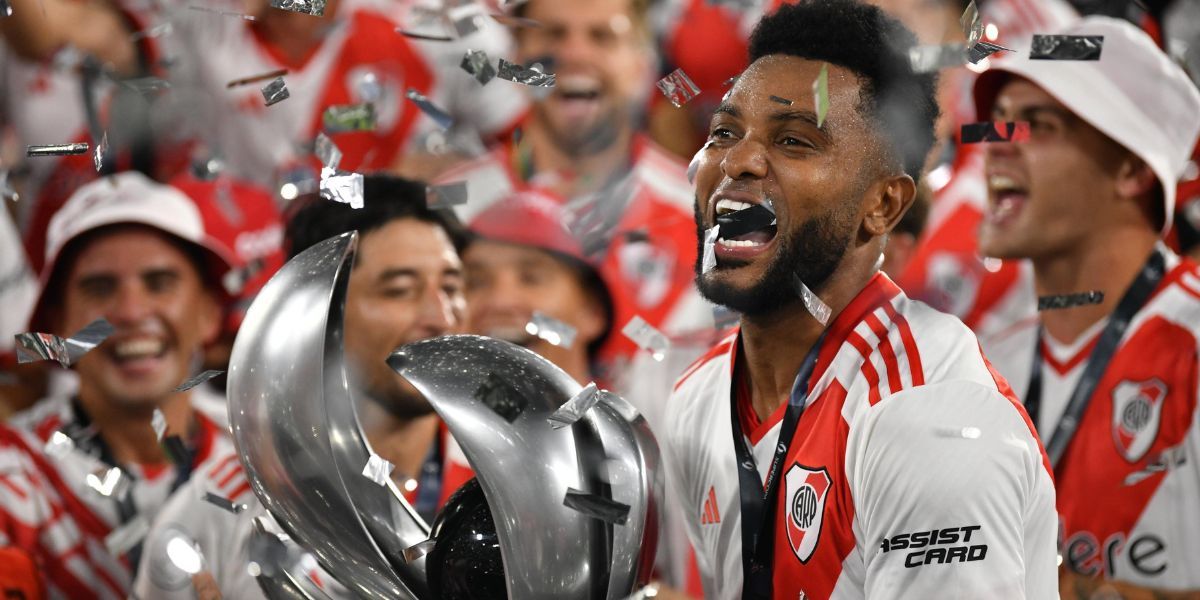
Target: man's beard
[583,142]
[811,253]
[400,399]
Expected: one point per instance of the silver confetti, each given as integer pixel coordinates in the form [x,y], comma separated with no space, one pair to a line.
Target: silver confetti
[342,186]
[59,445]
[197,380]
[424,36]
[146,85]
[476,63]
[125,537]
[647,337]
[983,50]
[100,151]
[576,407]
[56,149]
[518,74]
[224,503]
[418,550]
[378,470]
[159,423]
[256,78]
[110,483]
[446,195]
[7,191]
[349,117]
[812,302]
[928,59]
[275,92]
[315,8]
[439,116]
[1066,47]
[710,249]
[327,151]
[678,88]
[972,24]
[224,13]
[597,507]
[554,331]
[33,347]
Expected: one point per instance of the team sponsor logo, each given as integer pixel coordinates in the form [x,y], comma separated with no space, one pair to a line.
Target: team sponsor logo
[379,86]
[1137,410]
[1084,554]
[806,492]
[938,546]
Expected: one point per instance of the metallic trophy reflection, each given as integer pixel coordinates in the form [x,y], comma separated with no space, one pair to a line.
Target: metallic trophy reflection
[572,505]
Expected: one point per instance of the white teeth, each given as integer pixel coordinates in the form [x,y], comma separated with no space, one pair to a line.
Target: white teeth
[728,206]
[576,85]
[1002,183]
[739,243]
[138,348]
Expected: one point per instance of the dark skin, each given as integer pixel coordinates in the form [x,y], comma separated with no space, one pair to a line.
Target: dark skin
[765,149]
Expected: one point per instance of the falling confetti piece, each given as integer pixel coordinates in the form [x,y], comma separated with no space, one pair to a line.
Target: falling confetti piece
[647,337]
[983,50]
[553,331]
[711,235]
[349,117]
[476,63]
[821,95]
[275,92]
[327,151]
[446,195]
[812,302]
[999,131]
[56,149]
[678,88]
[159,423]
[424,36]
[417,550]
[256,78]
[576,407]
[224,503]
[224,13]
[378,470]
[198,379]
[33,347]
[518,74]
[1066,47]
[972,24]
[99,152]
[342,186]
[431,110]
[315,8]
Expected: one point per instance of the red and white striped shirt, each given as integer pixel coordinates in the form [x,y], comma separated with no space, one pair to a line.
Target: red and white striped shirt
[913,473]
[1138,441]
[48,510]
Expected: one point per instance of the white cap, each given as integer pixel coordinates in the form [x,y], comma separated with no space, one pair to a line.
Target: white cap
[126,198]
[1134,94]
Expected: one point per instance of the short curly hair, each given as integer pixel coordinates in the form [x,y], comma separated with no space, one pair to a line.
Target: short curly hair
[875,46]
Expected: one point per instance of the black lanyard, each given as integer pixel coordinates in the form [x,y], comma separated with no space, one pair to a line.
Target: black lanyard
[758,501]
[126,508]
[1106,345]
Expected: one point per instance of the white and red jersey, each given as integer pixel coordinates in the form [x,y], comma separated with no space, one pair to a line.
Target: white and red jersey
[913,473]
[1138,443]
[222,536]
[361,59]
[18,289]
[48,510]
[649,262]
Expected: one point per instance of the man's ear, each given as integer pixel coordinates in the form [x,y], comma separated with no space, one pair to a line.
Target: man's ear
[210,317]
[1134,178]
[888,200]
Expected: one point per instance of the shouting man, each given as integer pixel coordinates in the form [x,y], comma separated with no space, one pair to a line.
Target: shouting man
[845,441]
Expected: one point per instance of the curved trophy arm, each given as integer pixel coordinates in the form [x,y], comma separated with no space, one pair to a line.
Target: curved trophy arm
[286,369]
[496,399]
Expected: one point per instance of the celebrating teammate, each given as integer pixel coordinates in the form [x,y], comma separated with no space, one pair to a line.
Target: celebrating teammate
[876,453]
[1112,385]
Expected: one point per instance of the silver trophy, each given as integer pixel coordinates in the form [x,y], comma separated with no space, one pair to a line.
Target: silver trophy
[568,476]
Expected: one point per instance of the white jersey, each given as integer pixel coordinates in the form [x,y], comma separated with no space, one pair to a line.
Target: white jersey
[362,59]
[18,287]
[48,509]
[913,473]
[1138,441]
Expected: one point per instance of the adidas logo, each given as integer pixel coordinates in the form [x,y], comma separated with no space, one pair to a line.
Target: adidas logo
[710,515]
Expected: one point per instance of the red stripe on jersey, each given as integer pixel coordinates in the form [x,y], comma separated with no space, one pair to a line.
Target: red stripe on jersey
[879,291]
[714,352]
[229,477]
[237,492]
[889,356]
[910,344]
[868,369]
[1064,367]
[14,488]
[220,465]
[1006,391]
[47,427]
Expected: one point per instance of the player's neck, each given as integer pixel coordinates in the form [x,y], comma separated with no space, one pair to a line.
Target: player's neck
[775,345]
[1108,263]
[587,173]
[294,40]
[403,442]
[128,432]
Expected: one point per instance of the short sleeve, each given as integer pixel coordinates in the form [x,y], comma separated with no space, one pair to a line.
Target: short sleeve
[952,495]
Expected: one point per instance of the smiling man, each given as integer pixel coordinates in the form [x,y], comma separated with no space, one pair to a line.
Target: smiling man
[876,454]
[136,253]
[1111,385]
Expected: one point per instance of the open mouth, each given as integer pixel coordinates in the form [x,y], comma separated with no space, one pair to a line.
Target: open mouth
[134,350]
[745,226]
[1006,199]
